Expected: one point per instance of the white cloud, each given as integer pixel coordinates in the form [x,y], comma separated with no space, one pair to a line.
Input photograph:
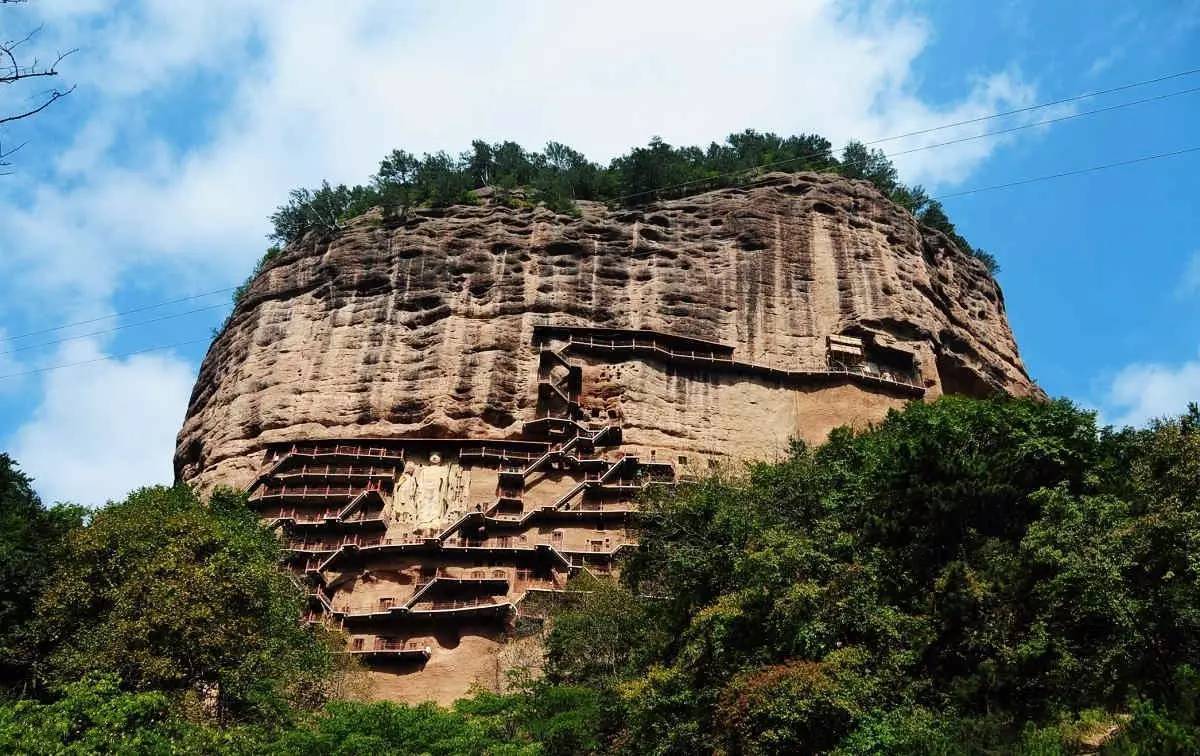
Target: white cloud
[324,90]
[89,148]
[271,99]
[105,428]
[1142,392]
[134,47]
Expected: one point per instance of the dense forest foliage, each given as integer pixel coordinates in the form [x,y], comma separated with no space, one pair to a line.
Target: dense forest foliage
[969,576]
[558,176]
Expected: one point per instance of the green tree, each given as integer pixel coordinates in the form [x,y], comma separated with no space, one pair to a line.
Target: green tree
[170,594]
[441,181]
[385,729]
[545,719]
[32,545]
[481,163]
[802,706]
[968,575]
[1168,726]
[395,182]
[868,164]
[603,635]
[513,165]
[751,149]
[914,199]
[643,173]
[565,176]
[558,176]
[323,210]
[94,716]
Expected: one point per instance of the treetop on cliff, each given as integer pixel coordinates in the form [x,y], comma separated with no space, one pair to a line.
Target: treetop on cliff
[558,176]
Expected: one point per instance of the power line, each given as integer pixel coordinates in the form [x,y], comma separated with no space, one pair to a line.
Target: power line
[977,190]
[106,357]
[1077,172]
[1039,106]
[114,329]
[829,150]
[143,308]
[1035,124]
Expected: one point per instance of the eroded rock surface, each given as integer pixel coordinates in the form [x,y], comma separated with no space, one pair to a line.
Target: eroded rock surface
[424,328]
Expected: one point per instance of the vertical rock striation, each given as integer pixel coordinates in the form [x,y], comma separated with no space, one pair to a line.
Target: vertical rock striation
[449,416]
[424,328]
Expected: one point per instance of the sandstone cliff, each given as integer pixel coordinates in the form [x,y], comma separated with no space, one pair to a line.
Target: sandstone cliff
[423,328]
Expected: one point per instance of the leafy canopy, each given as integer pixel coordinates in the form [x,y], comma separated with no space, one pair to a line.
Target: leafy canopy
[96,715]
[557,176]
[32,540]
[170,594]
[970,574]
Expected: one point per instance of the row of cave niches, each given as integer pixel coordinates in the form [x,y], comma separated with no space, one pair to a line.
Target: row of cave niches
[495,569]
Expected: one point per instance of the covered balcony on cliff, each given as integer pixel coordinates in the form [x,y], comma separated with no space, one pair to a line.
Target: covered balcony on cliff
[864,353]
[478,606]
[854,357]
[466,586]
[306,546]
[617,495]
[435,602]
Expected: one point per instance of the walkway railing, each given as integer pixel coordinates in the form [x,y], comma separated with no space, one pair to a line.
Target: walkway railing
[473,603]
[324,449]
[380,645]
[301,516]
[606,506]
[400,541]
[337,471]
[395,644]
[506,542]
[651,346]
[496,452]
[285,491]
[335,543]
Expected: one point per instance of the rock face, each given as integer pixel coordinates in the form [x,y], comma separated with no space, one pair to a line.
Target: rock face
[594,354]
[425,329]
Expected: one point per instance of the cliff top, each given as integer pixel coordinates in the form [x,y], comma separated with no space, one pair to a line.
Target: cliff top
[561,178]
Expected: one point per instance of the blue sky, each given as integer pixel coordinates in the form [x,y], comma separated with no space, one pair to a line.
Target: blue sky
[191,121]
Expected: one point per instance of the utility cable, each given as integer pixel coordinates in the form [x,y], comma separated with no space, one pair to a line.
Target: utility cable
[829,151]
[1039,106]
[965,192]
[143,308]
[1035,124]
[1078,172]
[114,329]
[106,357]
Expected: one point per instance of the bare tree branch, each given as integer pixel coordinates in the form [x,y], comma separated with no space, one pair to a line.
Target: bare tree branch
[4,154]
[51,96]
[12,71]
